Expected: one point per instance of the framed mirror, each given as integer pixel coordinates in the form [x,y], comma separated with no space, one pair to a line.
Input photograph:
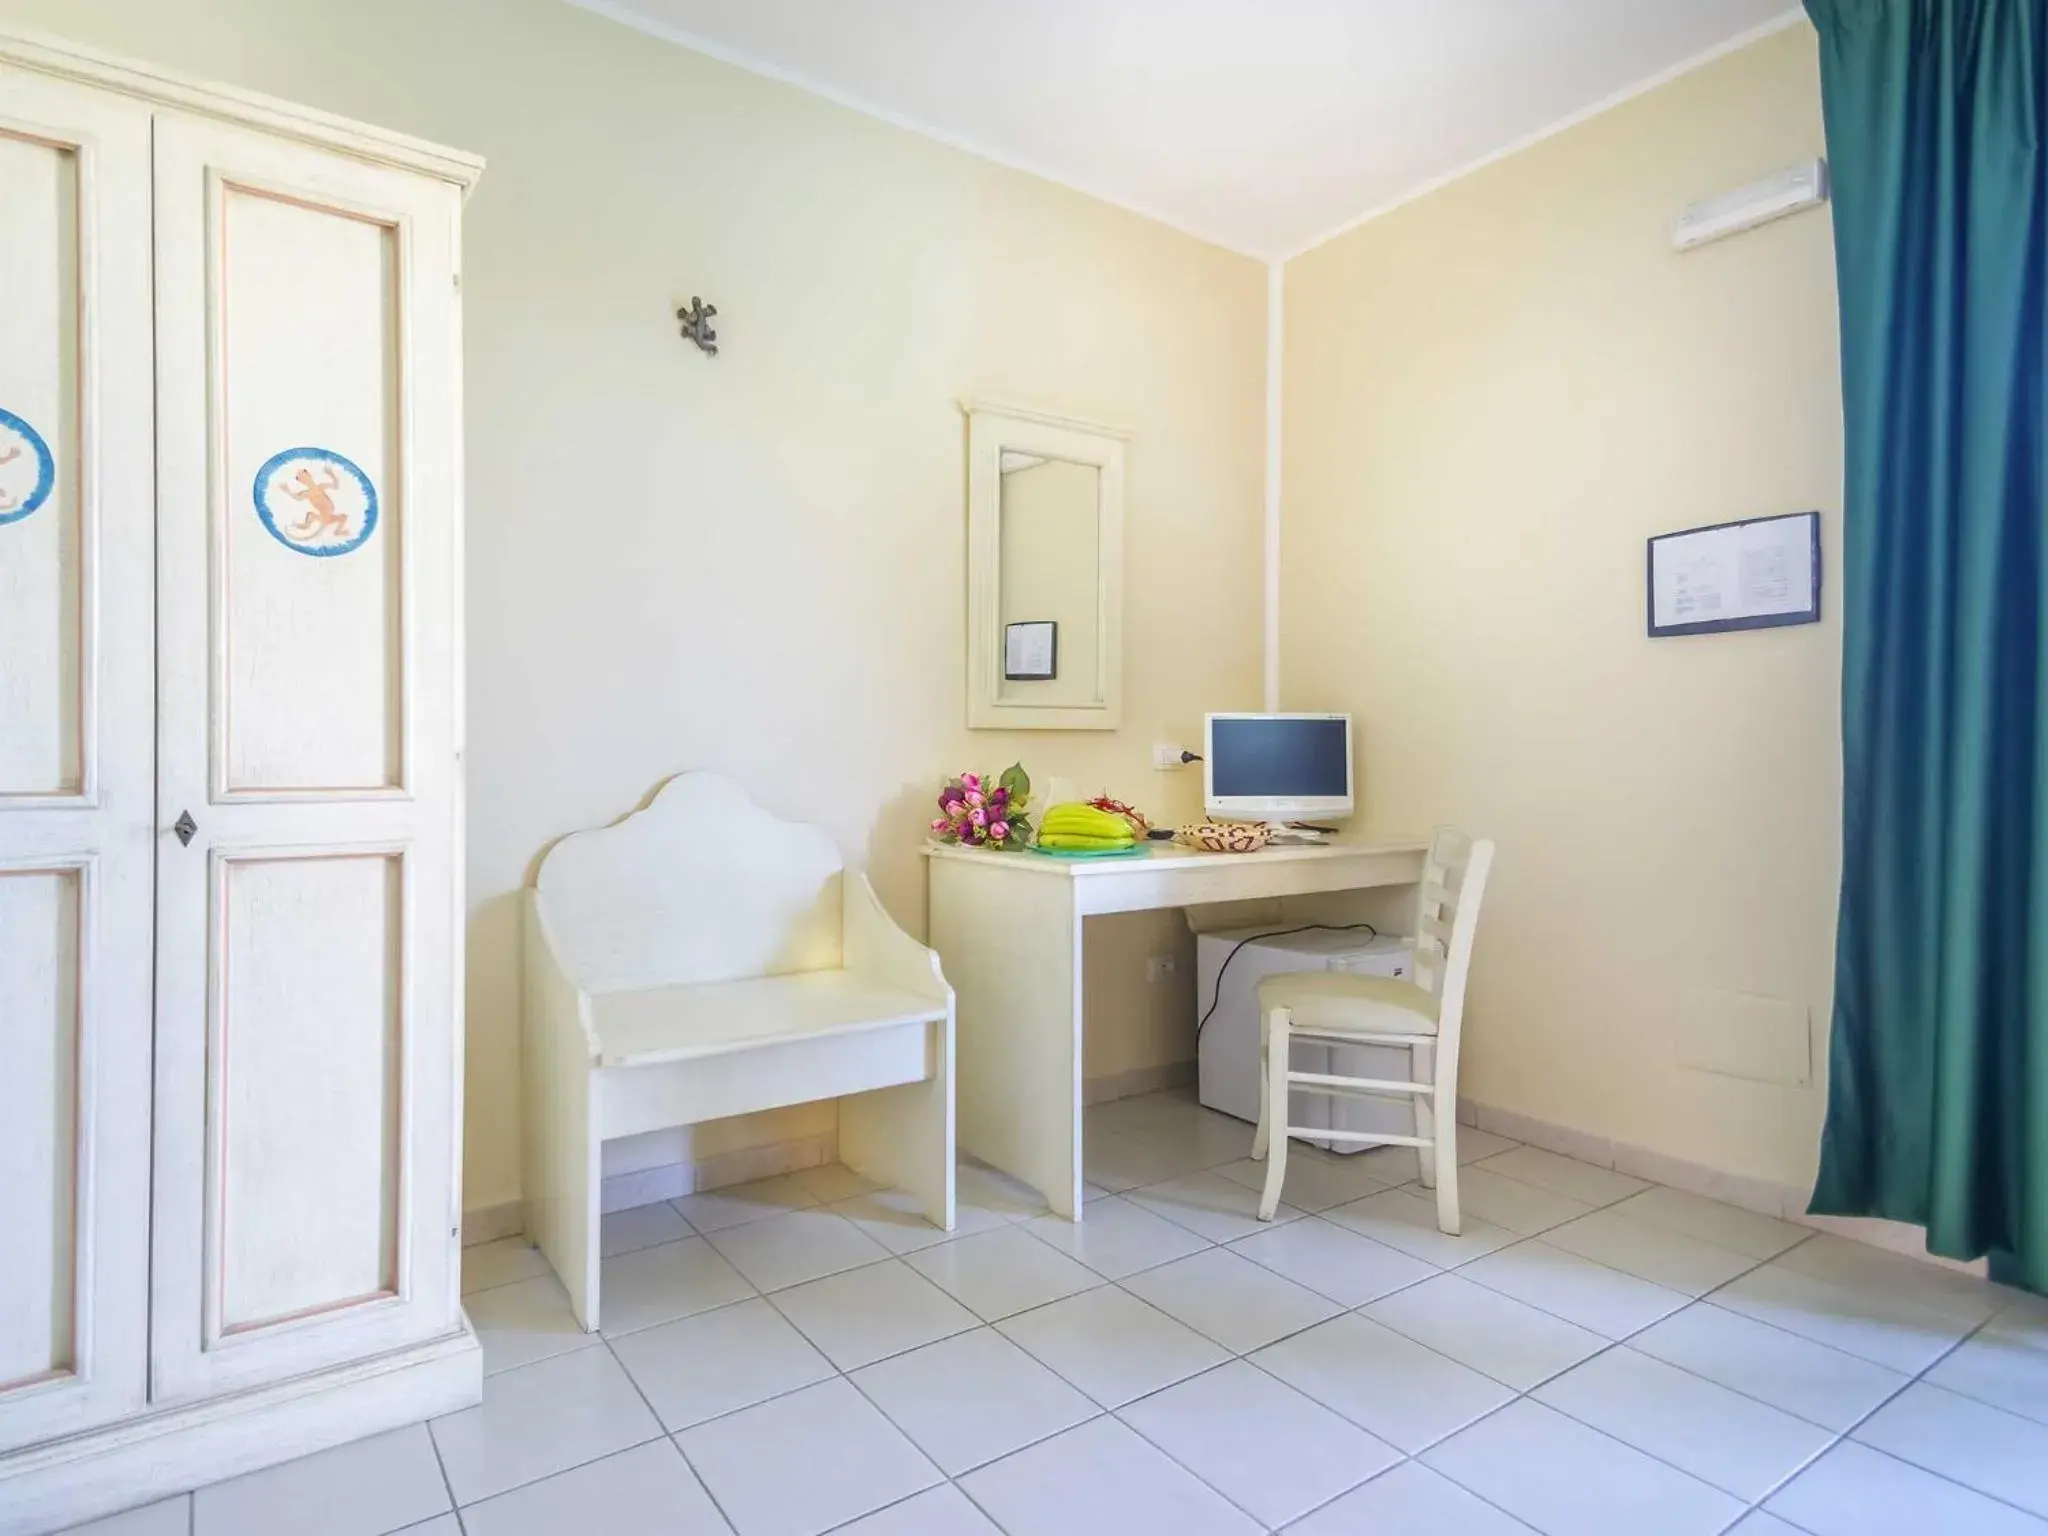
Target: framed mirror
[1045,528]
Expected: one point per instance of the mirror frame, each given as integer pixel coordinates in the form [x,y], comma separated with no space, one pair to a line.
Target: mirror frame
[991,429]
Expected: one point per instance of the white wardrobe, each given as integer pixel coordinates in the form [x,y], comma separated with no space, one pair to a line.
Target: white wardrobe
[230,783]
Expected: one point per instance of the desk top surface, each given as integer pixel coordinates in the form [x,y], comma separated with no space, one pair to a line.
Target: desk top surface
[1175,856]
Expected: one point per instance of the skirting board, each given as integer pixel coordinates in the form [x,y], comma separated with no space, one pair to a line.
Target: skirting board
[669,1181]
[82,1477]
[1125,1085]
[488,1223]
[1787,1202]
[672,1181]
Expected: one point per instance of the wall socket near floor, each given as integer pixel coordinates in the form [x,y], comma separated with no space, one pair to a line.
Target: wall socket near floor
[1166,755]
[1159,967]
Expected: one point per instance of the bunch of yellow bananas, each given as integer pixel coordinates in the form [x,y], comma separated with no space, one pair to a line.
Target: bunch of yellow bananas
[1083,828]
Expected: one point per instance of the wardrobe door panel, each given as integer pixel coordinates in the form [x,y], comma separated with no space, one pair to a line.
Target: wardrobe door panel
[76,681]
[313,675]
[306,983]
[40,957]
[42,730]
[308,1040]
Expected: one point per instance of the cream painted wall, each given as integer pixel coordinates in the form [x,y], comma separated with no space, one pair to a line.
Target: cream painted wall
[1493,395]
[756,563]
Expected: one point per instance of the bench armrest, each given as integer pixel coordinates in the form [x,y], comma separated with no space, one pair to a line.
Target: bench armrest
[553,1002]
[876,948]
[559,1157]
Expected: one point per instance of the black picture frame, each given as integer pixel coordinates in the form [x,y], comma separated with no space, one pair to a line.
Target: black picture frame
[1052,655]
[1810,614]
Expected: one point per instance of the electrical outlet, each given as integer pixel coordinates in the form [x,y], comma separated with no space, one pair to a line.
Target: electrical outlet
[1159,967]
[1165,755]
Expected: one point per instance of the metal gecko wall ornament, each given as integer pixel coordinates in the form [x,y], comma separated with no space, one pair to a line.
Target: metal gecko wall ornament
[316,502]
[696,319]
[28,472]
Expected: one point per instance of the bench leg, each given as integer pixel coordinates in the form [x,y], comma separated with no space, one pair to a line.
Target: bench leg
[902,1137]
[563,1168]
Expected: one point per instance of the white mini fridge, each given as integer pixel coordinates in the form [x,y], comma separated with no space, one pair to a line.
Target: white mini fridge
[1229,1046]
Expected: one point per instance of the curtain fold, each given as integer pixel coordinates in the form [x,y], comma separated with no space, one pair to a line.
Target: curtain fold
[1938,1079]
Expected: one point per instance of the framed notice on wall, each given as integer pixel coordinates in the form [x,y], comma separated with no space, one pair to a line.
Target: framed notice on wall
[1031,651]
[1755,574]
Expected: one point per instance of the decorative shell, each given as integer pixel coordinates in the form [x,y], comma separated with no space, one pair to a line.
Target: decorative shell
[1223,836]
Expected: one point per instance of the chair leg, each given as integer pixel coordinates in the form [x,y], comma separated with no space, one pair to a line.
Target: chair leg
[1422,1062]
[1278,1053]
[1447,1216]
[1259,1135]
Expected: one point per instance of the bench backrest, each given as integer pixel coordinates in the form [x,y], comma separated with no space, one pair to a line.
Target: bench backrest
[702,885]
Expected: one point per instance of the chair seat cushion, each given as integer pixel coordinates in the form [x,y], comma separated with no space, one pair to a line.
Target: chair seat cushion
[1338,1002]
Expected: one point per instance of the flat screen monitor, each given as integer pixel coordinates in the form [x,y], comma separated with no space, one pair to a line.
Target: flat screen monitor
[1276,767]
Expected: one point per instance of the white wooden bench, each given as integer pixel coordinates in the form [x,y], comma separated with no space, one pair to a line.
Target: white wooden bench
[702,958]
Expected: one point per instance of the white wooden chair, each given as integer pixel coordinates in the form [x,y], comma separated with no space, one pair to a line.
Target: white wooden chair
[702,958]
[1425,1015]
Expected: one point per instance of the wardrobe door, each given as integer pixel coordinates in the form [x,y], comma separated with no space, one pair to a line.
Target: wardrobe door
[307,1014]
[75,745]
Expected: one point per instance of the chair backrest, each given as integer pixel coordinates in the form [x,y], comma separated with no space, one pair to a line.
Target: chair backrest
[701,885]
[1454,874]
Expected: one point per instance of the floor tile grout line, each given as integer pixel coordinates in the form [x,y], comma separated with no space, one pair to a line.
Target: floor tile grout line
[661,1433]
[1749,1507]
[986,1513]
[759,1402]
[1920,1379]
[880,1509]
[533,1482]
[902,1429]
[1415,1458]
[1209,1243]
[441,1465]
[666,1434]
[1196,1474]
[1847,1436]
[892,1354]
[1521,1394]
[1614,1343]
[1913,1378]
[1112,1285]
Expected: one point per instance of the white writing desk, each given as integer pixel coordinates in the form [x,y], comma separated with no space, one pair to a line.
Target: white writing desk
[1007,927]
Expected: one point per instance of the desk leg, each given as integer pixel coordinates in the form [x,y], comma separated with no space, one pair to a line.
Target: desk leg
[1010,943]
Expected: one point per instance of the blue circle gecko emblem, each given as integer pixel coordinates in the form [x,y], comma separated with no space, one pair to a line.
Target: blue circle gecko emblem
[315,501]
[27,472]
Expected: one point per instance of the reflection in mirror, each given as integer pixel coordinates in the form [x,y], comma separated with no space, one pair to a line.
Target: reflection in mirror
[1045,562]
[1049,604]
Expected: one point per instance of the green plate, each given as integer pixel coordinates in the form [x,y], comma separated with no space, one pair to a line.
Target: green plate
[1135,851]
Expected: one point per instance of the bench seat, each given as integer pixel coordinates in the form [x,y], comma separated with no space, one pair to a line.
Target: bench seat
[660,1024]
[702,959]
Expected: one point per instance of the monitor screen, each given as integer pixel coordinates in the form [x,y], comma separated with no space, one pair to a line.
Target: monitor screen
[1279,762]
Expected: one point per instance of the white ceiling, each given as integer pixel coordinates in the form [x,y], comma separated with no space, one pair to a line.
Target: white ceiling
[1264,125]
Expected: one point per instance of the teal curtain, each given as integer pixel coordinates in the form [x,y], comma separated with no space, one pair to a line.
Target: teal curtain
[1938,1082]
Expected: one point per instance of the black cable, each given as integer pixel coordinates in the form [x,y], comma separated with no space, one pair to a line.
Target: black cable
[1252,938]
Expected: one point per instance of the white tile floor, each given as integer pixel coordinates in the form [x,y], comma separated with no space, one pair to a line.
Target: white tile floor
[1593,1357]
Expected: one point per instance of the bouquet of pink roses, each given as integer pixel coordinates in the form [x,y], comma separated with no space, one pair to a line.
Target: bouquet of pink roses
[985,812]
